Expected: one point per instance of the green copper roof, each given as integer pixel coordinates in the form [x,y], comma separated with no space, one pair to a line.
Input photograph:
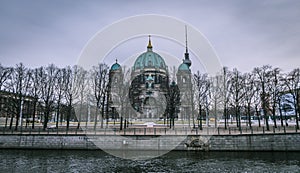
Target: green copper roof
[115,66]
[149,59]
[183,67]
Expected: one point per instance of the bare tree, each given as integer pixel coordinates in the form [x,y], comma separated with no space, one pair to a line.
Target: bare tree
[35,90]
[48,77]
[237,94]
[71,90]
[5,73]
[257,99]
[121,93]
[173,100]
[292,83]
[263,76]
[273,89]
[249,91]
[202,86]
[61,78]
[282,89]
[18,87]
[225,90]
[216,96]
[89,100]
[82,84]
[283,80]
[99,81]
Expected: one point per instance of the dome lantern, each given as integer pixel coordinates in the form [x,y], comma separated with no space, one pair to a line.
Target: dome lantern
[149,47]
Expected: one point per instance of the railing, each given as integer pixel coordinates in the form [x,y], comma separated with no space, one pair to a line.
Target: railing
[154,131]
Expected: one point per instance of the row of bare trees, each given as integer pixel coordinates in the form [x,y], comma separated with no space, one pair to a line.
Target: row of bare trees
[67,94]
[55,94]
[51,92]
[255,94]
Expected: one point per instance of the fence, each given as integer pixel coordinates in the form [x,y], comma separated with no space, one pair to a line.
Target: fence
[154,131]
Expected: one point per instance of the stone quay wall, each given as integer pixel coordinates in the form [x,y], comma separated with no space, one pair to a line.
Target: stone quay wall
[238,142]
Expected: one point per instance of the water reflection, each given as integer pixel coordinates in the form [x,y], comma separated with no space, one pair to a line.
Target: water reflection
[175,161]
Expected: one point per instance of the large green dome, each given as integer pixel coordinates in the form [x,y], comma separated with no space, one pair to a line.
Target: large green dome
[149,59]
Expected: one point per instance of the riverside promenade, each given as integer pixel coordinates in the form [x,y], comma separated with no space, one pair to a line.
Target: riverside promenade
[153,129]
[155,137]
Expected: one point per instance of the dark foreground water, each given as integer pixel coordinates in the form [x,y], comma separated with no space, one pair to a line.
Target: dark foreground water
[175,161]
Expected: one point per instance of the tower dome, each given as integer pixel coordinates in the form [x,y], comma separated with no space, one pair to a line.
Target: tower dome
[183,67]
[115,66]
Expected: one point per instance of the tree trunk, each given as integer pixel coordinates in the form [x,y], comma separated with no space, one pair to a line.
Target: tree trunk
[296,103]
[207,118]
[200,117]
[225,118]
[236,117]
[125,123]
[239,117]
[216,114]
[281,118]
[296,114]
[267,122]
[46,119]
[79,119]
[274,115]
[96,117]
[19,106]
[102,111]
[249,115]
[11,121]
[33,113]
[257,114]
[69,115]
[6,120]
[121,122]
[173,122]
[57,113]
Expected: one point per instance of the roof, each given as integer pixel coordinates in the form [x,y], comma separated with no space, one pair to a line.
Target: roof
[115,66]
[149,59]
[183,67]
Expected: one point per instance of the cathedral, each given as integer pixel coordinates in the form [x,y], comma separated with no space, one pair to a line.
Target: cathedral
[149,87]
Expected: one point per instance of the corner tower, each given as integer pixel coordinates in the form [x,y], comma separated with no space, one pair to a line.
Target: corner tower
[184,81]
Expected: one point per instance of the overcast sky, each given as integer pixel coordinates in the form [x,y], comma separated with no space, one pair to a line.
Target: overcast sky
[245,34]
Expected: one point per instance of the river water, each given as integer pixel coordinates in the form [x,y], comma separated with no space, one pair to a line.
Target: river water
[175,161]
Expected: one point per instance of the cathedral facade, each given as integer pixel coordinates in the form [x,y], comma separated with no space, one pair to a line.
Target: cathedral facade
[147,94]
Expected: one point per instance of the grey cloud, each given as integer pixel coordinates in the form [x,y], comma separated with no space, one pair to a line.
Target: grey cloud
[256,32]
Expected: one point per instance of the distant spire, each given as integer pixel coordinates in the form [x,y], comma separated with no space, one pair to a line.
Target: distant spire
[186,54]
[186,43]
[149,47]
[116,60]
